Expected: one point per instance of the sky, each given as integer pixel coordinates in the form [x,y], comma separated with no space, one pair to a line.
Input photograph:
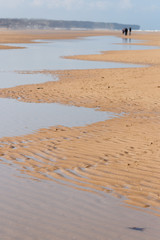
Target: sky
[145,13]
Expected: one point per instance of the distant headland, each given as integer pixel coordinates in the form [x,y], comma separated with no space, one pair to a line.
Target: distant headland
[24,23]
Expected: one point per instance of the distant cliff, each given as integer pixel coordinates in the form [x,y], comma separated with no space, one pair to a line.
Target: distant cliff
[54,24]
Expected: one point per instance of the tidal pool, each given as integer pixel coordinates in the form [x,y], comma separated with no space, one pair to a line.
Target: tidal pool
[12,79]
[19,118]
[44,210]
[48,55]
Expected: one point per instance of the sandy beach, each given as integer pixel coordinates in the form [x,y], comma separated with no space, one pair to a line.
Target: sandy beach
[120,157]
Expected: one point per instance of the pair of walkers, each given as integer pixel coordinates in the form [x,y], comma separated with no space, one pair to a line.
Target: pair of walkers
[126,30]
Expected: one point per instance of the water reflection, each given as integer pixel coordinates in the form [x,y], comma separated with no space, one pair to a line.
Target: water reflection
[127,40]
[47,55]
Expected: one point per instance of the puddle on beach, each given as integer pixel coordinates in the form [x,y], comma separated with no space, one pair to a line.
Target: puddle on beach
[11,79]
[19,118]
[47,210]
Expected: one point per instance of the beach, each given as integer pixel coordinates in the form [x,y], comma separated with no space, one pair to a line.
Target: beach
[118,157]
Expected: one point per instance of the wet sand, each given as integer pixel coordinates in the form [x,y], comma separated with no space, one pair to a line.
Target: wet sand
[120,157]
[29,36]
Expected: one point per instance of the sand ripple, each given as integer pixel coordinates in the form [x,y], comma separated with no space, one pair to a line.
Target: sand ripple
[97,158]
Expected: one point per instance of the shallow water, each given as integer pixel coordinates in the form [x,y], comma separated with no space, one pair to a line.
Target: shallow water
[19,118]
[46,210]
[11,79]
[47,55]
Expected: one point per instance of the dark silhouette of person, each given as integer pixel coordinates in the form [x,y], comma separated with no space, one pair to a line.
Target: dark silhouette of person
[126,31]
[123,30]
[130,30]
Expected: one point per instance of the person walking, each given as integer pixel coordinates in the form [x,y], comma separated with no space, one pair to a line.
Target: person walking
[126,31]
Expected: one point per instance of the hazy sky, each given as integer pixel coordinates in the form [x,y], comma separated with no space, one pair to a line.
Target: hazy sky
[146,13]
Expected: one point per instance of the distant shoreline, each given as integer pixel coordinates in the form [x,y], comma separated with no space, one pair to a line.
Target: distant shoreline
[25,23]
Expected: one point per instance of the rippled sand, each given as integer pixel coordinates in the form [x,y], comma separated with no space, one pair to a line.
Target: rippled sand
[119,157]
